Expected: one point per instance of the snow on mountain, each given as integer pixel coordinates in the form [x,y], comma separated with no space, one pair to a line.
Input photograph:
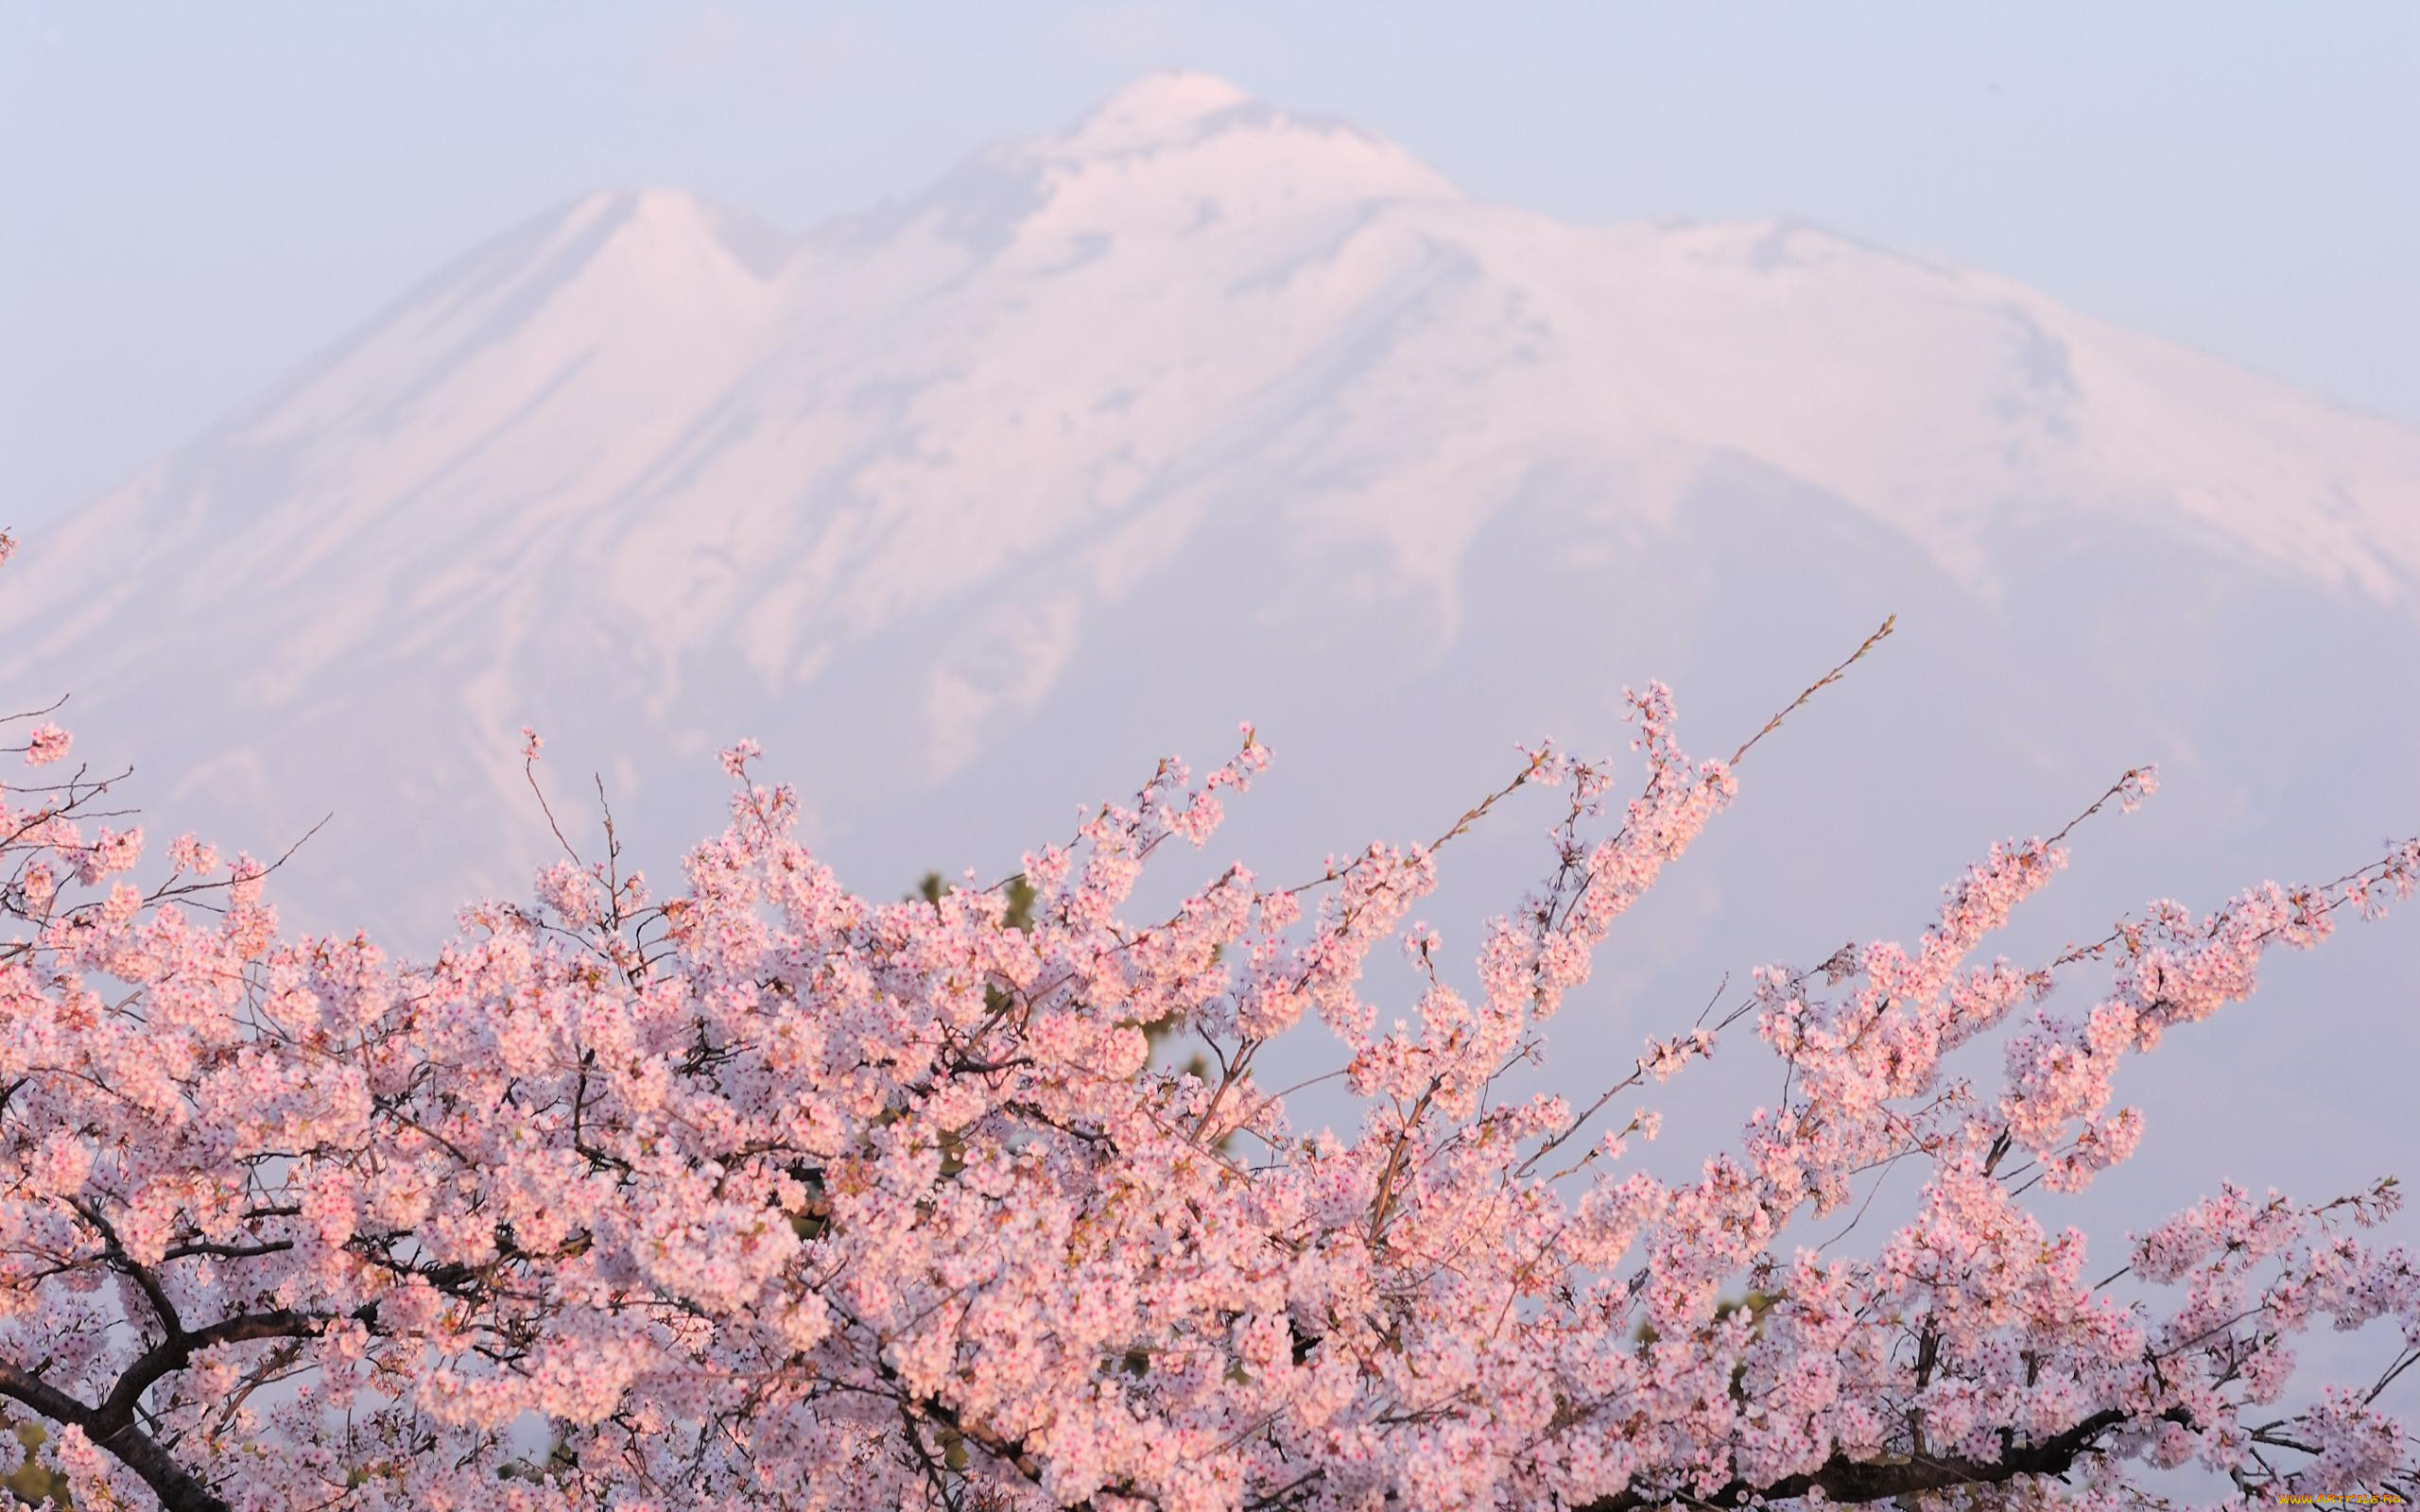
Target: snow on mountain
[971,505]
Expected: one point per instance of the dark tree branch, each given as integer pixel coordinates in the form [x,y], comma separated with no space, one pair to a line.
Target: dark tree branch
[1846,1480]
[177,1351]
[115,1424]
[176,1487]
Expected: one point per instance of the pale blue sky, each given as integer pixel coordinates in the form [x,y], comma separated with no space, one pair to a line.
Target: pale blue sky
[193,199]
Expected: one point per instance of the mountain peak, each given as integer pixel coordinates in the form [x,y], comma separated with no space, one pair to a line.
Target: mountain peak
[1160,106]
[657,221]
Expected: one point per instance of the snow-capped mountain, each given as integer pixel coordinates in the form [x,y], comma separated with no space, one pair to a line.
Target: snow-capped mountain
[970,506]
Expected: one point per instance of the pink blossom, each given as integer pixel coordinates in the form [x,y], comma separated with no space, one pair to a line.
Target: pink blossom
[46,743]
[736,756]
[764,1195]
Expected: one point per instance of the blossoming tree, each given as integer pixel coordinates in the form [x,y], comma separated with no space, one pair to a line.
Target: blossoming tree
[763,1196]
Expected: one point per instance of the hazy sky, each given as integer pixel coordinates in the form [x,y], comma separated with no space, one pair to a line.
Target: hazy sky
[193,199]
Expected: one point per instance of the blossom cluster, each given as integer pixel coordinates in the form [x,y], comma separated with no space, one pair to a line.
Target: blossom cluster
[766,1194]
